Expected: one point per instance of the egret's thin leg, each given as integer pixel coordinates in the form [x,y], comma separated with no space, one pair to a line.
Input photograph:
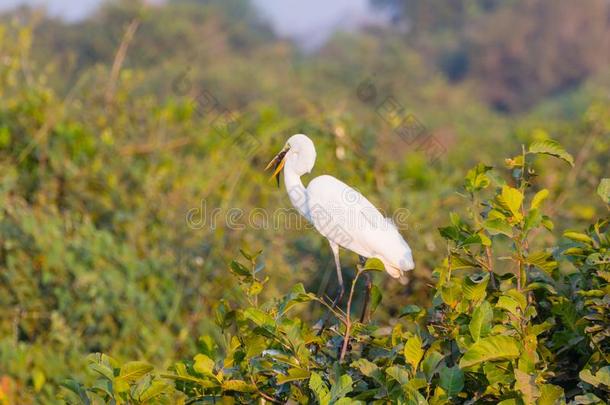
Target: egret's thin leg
[335,248]
[365,306]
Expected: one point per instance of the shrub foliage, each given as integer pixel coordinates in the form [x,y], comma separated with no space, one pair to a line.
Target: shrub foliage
[511,321]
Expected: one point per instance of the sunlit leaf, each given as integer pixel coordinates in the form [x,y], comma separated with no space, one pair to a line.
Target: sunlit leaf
[511,199]
[480,323]
[203,364]
[526,383]
[238,386]
[578,237]
[603,190]
[551,395]
[341,388]
[491,348]
[413,351]
[553,148]
[498,226]
[319,388]
[374,264]
[539,198]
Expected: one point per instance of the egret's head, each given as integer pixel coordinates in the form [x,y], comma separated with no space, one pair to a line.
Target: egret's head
[298,154]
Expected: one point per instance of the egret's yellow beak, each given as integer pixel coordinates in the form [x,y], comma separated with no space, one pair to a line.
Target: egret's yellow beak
[279,161]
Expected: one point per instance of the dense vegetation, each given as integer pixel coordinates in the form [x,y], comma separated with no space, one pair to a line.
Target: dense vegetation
[120,134]
[535,334]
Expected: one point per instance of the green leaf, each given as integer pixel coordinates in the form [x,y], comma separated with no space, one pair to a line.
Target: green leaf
[103,370]
[341,388]
[587,399]
[78,389]
[537,285]
[38,379]
[413,351]
[578,237]
[511,199]
[410,309]
[603,190]
[237,386]
[259,317]
[459,263]
[480,323]
[511,301]
[156,388]
[203,364]
[294,374]
[601,377]
[474,287]
[452,380]
[398,373]
[297,295]
[319,388]
[510,401]
[245,254]
[526,383]
[508,304]
[551,395]
[542,260]
[430,363]
[133,371]
[374,264]
[240,269]
[366,367]
[553,148]
[375,298]
[476,178]
[498,226]
[539,198]
[497,375]
[451,293]
[255,288]
[348,401]
[490,349]
[533,219]
[413,396]
[450,233]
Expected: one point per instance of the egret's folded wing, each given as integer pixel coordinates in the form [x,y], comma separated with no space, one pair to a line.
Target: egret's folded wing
[347,218]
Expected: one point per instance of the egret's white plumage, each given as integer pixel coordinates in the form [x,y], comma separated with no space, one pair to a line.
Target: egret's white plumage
[340,213]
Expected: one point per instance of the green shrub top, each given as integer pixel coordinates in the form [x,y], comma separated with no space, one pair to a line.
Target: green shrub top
[512,321]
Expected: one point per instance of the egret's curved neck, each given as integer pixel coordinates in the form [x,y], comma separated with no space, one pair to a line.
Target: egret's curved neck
[296,190]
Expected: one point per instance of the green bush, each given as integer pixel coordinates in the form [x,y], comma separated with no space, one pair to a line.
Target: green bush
[512,321]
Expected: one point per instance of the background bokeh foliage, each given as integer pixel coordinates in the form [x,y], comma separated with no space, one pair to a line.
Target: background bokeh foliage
[108,140]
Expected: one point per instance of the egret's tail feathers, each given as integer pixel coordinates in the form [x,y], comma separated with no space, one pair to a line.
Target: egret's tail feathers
[398,274]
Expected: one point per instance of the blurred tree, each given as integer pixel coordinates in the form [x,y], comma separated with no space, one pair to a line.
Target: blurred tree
[518,52]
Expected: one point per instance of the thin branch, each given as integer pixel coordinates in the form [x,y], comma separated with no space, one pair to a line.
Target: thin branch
[119,58]
[348,322]
[261,393]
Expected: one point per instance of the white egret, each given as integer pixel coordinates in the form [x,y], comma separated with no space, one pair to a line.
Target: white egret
[340,213]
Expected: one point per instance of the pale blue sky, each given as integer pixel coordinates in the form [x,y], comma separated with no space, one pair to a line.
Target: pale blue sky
[309,21]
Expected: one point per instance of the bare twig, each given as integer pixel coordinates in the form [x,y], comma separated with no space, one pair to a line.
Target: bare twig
[51,118]
[119,58]
[262,394]
[348,321]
